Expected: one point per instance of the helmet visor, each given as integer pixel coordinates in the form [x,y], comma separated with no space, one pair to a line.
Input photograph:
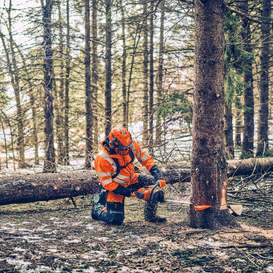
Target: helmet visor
[121,147]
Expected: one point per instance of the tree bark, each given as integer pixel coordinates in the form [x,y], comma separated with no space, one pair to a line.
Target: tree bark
[49,162]
[95,75]
[145,79]
[123,73]
[264,81]
[248,131]
[108,69]
[67,82]
[151,91]
[44,187]
[229,131]
[59,98]
[160,73]
[238,128]
[88,93]
[208,164]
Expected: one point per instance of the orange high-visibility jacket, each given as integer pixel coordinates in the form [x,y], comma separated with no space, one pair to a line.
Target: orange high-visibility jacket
[106,167]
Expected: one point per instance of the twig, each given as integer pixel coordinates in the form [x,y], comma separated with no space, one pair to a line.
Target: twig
[247,256]
[267,258]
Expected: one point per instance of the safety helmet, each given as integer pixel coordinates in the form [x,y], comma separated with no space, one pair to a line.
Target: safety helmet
[120,138]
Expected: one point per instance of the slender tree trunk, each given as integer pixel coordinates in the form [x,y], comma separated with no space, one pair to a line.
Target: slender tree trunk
[264,80]
[229,131]
[88,93]
[160,73]
[248,130]
[49,162]
[208,163]
[67,81]
[145,78]
[15,84]
[238,128]
[60,95]
[95,74]
[124,56]
[151,97]
[108,70]
[5,138]
[33,107]
[135,46]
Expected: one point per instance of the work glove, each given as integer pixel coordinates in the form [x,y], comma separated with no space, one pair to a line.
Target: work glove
[156,173]
[162,183]
[123,191]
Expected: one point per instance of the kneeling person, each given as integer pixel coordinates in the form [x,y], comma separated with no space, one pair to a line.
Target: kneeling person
[118,178]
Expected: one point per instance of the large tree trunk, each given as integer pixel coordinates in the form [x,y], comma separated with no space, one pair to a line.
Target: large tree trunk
[44,187]
[264,82]
[49,162]
[208,164]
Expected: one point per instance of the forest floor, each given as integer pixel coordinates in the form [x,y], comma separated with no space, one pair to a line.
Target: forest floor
[55,236]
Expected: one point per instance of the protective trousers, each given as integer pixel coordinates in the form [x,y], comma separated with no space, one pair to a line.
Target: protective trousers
[113,212]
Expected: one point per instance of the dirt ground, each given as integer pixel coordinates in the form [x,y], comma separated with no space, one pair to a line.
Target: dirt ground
[55,236]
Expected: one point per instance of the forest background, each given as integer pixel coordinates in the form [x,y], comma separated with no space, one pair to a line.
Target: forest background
[71,70]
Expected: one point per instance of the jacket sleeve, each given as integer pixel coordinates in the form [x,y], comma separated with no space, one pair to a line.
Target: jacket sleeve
[105,170]
[146,160]
[143,157]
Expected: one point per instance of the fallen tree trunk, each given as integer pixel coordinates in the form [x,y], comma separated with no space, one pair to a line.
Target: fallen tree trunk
[249,166]
[51,186]
[46,186]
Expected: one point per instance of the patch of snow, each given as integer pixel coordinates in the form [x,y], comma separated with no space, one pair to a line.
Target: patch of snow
[93,226]
[209,242]
[132,236]
[20,249]
[127,269]
[18,263]
[74,241]
[222,255]
[269,269]
[85,217]
[31,239]
[53,218]
[53,250]
[104,239]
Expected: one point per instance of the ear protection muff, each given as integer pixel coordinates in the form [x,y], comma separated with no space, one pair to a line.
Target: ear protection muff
[114,143]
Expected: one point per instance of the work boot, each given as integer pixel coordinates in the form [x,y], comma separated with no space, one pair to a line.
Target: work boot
[150,213]
[99,213]
[95,201]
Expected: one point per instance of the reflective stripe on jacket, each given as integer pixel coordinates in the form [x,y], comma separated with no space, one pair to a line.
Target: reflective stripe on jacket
[106,167]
